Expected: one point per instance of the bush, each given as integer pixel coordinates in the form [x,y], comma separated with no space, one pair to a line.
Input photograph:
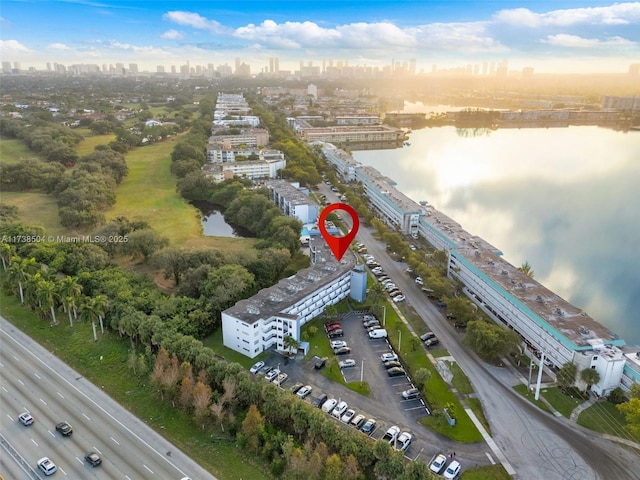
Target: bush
[616,396]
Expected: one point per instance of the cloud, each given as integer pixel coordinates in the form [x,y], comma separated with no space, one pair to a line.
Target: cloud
[58,46]
[172,35]
[617,14]
[574,41]
[12,46]
[195,20]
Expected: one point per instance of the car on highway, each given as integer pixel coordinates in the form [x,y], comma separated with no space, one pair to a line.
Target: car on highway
[348,416]
[388,357]
[358,421]
[305,391]
[411,393]
[452,471]
[340,409]
[396,372]
[426,336]
[391,434]
[319,401]
[47,466]
[369,426]
[342,351]
[329,405]
[348,363]
[64,428]
[256,366]
[93,458]
[26,419]
[399,298]
[272,374]
[403,441]
[338,343]
[438,463]
[392,364]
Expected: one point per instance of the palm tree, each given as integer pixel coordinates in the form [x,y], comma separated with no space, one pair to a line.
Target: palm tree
[19,272]
[6,253]
[527,269]
[590,377]
[69,290]
[47,294]
[93,309]
[291,343]
[101,303]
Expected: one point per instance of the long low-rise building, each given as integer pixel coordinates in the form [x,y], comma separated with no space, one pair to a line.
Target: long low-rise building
[293,201]
[352,134]
[252,169]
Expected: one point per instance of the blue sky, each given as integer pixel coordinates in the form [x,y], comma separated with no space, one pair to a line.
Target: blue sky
[551,36]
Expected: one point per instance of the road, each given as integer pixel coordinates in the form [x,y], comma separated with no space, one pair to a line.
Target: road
[537,445]
[34,380]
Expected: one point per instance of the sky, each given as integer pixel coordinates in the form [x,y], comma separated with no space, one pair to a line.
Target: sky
[554,36]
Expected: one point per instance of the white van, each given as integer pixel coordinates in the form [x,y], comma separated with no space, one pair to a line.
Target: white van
[378,333]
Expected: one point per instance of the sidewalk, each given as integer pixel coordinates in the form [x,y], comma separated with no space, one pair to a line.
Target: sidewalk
[576,411]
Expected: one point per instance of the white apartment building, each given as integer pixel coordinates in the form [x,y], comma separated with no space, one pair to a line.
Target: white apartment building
[293,201]
[357,120]
[344,163]
[253,169]
[355,134]
[249,137]
[262,322]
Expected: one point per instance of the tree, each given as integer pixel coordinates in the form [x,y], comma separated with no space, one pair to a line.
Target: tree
[421,377]
[590,376]
[252,427]
[527,269]
[144,242]
[69,291]
[490,340]
[333,468]
[6,253]
[566,376]
[291,343]
[631,409]
[201,400]
[19,271]
[47,295]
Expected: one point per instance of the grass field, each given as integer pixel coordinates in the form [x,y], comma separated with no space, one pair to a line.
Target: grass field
[522,390]
[90,141]
[492,472]
[12,150]
[105,363]
[561,402]
[37,209]
[606,418]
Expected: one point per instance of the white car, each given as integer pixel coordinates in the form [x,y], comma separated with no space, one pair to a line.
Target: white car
[329,405]
[348,415]
[403,441]
[340,409]
[338,343]
[47,466]
[256,366]
[349,363]
[399,298]
[305,391]
[419,281]
[25,419]
[438,464]
[392,434]
[452,470]
[388,357]
[272,374]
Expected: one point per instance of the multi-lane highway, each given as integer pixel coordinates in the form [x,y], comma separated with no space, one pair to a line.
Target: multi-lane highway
[34,380]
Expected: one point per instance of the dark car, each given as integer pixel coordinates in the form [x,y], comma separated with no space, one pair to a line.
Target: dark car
[336,333]
[431,342]
[396,372]
[392,364]
[460,325]
[426,336]
[93,458]
[64,428]
[318,402]
[295,387]
[320,363]
[369,426]
[342,351]
[441,304]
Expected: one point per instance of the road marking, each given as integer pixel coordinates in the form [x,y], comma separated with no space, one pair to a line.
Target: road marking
[51,433]
[61,396]
[97,451]
[43,401]
[127,477]
[147,468]
[397,384]
[414,408]
[5,389]
[116,442]
[21,382]
[17,359]
[37,376]
[85,416]
[81,462]
[65,473]
[1,365]
[9,416]
[493,462]
[34,442]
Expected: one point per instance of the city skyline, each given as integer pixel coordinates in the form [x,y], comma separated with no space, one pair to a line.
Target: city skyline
[567,36]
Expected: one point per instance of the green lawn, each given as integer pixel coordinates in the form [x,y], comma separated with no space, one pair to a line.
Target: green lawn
[606,418]
[105,363]
[460,380]
[561,402]
[522,390]
[476,407]
[13,150]
[90,141]
[37,209]
[491,472]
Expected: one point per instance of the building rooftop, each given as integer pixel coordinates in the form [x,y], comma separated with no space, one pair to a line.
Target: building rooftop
[291,193]
[386,187]
[276,299]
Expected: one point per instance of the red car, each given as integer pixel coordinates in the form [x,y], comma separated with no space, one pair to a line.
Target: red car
[332,326]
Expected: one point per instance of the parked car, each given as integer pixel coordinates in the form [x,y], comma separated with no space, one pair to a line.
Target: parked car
[368,317]
[340,409]
[295,387]
[391,434]
[348,415]
[386,282]
[399,298]
[411,393]
[64,428]
[281,378]
[26,419]
[332,326]
[338,343]
[452,470]
[319,401]
[441,304]
[383,278]
[396,372]
[349,363]
[336,333]
[388,357]
[272,374]
[419,281]
[426,336]
[438,464]
[47,466]
[264,370]
[395,292]
[358,420]
[378,333]
[369,426]
[93,458]
[320,363]
[256,367]
[403,441]
[431,342]
[329,405]
[371,323]
[460,325]
[305,391]
[342,351]
[392,364]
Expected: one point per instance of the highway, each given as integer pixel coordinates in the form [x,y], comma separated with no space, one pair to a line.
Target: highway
[34,380]
[536,444]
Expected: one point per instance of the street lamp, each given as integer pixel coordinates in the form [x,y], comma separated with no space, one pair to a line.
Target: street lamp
[384,315]
[399,339]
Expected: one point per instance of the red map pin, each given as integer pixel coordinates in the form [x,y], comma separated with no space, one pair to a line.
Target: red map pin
[338,245]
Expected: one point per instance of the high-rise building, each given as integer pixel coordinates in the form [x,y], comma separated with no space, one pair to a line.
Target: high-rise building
[133,68]
[6,67]
[48,66]
[160,69]
[237,60]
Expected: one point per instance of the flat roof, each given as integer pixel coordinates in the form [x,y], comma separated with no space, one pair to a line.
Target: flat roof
[291,193]
[386,188]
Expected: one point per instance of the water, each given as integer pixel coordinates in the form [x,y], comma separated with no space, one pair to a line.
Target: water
[567,200]
[213,222]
